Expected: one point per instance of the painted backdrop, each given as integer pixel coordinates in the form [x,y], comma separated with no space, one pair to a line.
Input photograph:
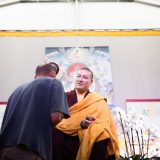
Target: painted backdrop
[70,59]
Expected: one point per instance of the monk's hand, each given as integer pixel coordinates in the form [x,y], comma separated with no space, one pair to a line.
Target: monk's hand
[87,121]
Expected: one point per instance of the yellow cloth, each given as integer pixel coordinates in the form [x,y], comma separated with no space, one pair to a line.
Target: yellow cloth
[102,128]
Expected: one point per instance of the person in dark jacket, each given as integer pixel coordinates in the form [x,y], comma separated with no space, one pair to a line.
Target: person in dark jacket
[32,109]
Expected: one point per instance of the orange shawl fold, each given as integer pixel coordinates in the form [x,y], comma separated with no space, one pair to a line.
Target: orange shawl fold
[103,128]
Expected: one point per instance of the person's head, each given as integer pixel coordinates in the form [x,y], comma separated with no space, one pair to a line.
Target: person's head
[50,69]
[56,65]
[83,80]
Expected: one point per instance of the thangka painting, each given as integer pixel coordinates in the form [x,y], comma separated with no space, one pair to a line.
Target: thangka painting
[71,59]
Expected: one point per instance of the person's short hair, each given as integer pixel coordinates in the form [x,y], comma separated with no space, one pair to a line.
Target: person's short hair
[47,68]
[56,65]
[87,69]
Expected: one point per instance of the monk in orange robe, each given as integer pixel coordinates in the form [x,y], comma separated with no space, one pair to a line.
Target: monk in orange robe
[90,132]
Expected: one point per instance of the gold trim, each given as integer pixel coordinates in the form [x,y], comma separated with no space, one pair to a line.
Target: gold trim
[79,33]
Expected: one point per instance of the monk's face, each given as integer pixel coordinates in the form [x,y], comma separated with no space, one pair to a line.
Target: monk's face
[83,81]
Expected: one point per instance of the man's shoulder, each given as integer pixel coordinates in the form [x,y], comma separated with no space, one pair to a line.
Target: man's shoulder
[32,84]
[21,87]
[42,79]
[47,81]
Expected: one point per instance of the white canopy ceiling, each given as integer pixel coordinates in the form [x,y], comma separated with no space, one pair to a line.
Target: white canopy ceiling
[79,15]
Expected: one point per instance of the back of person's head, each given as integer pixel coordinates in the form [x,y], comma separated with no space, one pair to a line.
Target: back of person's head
[55,65]
[46,69]
[87,69]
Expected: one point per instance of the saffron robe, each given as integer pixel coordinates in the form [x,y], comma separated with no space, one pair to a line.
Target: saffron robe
[103,127]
